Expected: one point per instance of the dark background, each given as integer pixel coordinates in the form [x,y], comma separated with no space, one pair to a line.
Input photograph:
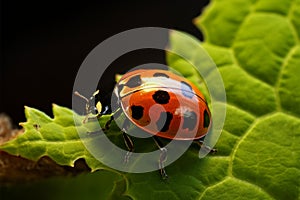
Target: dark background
[43,44]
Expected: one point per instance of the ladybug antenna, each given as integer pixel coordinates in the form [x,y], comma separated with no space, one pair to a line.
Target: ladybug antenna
[81,96]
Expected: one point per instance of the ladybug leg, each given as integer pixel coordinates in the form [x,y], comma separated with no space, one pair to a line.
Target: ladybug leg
[127,140]
[107,124]
[207,148]
[129,145]
[162,157]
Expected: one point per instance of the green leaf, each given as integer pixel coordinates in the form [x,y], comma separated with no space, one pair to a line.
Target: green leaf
[56,138]
[255,45]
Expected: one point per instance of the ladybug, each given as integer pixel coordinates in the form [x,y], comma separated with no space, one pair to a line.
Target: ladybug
[160,103]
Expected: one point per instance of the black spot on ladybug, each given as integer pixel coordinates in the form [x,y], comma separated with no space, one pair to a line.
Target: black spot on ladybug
[161,97]
[134,81]
[157,74]
[187,90]
[137,112]
[206,121]
[164,121]
[189,120]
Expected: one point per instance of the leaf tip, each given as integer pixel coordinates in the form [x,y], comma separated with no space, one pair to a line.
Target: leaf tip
[27,111]
[196,20]
[22,124]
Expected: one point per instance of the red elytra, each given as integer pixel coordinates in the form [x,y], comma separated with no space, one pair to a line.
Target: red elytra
[163,104]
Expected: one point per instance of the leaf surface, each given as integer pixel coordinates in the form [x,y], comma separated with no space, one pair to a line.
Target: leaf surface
[255,45]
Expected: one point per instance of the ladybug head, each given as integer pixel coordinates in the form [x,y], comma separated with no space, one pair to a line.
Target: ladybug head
[90,109]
